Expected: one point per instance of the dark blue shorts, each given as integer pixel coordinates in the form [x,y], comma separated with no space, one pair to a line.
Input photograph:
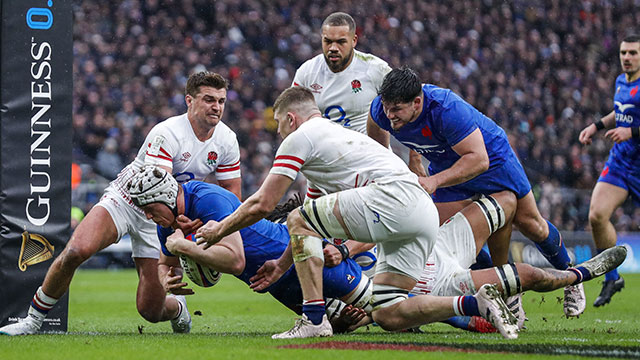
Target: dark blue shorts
[621,178]
[508,176]
[338,281]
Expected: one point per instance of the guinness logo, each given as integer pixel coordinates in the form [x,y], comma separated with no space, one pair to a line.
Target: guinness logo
[35,249]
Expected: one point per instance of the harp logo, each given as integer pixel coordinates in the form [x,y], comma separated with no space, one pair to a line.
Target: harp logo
[35,249]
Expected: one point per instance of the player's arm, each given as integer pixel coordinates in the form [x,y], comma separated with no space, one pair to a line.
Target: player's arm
[233,185]
[256,207]
[607,122]
[226,256]
[415,163]
[473,161]
[170,274]
[376,132]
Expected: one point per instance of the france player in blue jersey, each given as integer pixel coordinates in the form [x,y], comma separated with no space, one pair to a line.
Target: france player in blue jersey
[469,154]
[620,177]
[242,253]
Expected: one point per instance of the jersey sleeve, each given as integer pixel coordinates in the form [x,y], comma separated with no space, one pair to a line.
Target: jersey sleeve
[229,167]
[298,78]
[160,149]
[312,191]
[291,155]
[378,71]
[457,121]
[163,233]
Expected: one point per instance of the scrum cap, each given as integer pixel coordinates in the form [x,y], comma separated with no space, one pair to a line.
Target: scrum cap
[151,185]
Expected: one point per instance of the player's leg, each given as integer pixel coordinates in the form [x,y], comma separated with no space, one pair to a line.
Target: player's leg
[450,208]
[308,258]
[96,231]
[606,197]
[546,236]
[151,300]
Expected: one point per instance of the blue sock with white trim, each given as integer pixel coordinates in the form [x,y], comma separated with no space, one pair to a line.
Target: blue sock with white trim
[552,248]
[314,309]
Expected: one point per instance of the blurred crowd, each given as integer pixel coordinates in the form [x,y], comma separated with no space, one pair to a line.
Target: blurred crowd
[541,69]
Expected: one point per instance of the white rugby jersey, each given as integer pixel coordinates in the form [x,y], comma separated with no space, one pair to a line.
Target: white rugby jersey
[333,158]
[344,97]
[172,143]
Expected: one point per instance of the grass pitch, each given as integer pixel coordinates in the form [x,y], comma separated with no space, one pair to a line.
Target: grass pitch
[235,323]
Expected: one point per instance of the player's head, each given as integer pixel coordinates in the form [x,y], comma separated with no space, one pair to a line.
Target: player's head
[206,94]
[401,96]
[630,54]
[338,40]
[155,191]
[292,108]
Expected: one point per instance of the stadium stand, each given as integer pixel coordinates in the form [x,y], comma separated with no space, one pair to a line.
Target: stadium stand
[541,69]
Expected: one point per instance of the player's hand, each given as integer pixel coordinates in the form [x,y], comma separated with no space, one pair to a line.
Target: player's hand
[332,256]
[207,234]
[187,225]
[428,183]
[268,274]
[586,134]
[619,134]
[352,315]
[173,283]
[173,242]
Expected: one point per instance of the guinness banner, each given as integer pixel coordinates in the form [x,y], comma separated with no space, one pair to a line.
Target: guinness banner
[35,150]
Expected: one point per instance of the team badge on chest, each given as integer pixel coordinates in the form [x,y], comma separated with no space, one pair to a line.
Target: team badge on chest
[212,157]
[356,86]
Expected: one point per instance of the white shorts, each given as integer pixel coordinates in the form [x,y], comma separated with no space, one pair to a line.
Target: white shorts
[447,272]
[128,219]
[396,213]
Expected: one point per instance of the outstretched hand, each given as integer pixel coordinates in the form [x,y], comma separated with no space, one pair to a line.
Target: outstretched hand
[173,282]
[267,275]
[207,234]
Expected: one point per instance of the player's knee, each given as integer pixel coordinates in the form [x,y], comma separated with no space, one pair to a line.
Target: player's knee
[387,319]
[73,256]
[294,221]
[597,217]
[150,313]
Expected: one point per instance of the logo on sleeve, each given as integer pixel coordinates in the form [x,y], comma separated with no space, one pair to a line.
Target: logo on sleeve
[212,157]
[356,86]
[185,156]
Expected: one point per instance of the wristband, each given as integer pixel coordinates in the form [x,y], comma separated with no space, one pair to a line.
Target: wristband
[599,125]
[344,250]
[635,132]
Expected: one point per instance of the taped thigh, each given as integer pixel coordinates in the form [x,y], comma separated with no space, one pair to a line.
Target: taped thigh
[492,211]
[386,295]
[509,279]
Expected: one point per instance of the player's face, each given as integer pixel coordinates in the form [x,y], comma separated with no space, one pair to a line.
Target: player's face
[400,114]
[630,57]
[207,107]
[337,46]
[159,213]
[284,120]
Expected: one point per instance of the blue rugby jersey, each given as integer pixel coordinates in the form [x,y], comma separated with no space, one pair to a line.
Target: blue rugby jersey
[262,241]
[446,119]
[626,155]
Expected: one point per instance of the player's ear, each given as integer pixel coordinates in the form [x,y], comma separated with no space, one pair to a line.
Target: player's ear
[188,99]
[355,39]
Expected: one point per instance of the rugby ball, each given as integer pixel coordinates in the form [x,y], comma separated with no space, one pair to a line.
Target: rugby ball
[198,274]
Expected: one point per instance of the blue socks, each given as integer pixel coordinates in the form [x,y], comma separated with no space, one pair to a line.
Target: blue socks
[553,249]
[465,306]
[483,261]
[314,309]
[611,275]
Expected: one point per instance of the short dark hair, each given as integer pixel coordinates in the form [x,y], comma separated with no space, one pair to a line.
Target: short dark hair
[340,19]
[205,78]
[293,96]
[400,86]
[633,38]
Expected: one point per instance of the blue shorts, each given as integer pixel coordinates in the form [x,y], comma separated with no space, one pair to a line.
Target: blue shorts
[508,176]
[337,282]
[621,178]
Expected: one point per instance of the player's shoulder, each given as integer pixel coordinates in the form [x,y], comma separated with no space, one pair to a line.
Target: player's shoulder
[374,65]
[223,129]
[173,124]
[311,66]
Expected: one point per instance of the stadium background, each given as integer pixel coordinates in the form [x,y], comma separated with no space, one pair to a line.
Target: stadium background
[541,69]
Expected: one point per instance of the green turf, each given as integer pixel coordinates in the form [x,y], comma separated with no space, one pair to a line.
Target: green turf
[236,324]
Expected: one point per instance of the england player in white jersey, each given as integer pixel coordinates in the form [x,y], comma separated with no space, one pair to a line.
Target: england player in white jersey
[370,196]
[343,80]
[190,146]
